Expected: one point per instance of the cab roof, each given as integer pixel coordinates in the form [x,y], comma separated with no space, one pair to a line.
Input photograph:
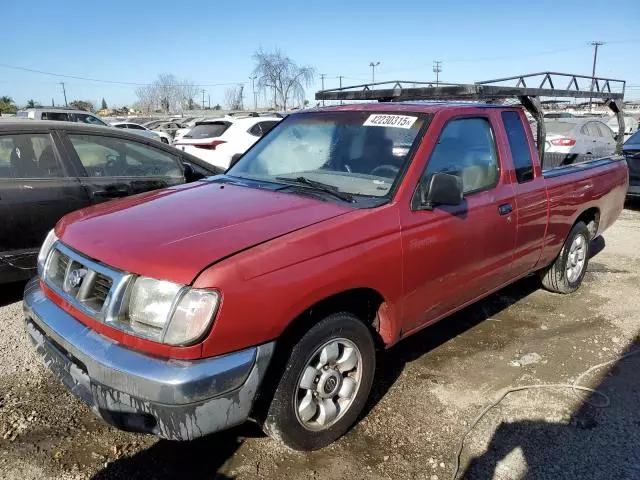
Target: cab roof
[406,107]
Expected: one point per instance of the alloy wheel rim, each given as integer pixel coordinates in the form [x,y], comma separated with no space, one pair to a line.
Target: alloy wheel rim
[576,258]
[328,385]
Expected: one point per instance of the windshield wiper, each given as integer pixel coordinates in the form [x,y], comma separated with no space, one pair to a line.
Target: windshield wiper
[323,187]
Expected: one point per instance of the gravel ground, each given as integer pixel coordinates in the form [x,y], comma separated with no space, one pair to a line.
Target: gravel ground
[428,391]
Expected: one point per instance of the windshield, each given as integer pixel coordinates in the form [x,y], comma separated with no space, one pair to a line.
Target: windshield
[559,127]
[360,153]
[208,130]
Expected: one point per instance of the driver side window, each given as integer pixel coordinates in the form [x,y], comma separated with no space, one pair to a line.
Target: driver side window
[466,148]
[115,157]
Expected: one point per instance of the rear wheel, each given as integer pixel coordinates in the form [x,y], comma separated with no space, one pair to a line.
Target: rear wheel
[565,274]
[325,384]
[164,140]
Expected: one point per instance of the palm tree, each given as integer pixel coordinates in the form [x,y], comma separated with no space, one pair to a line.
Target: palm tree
[6,105]
[31,103]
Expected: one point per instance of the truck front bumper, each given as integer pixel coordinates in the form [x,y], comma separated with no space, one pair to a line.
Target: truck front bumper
[174,399]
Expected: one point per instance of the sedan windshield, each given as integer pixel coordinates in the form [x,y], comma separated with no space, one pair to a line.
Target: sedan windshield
[359,153]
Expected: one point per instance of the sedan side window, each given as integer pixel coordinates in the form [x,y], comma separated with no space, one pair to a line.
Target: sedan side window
[115,157]
[466,148]
[28,156]
[90,119]
[256,130]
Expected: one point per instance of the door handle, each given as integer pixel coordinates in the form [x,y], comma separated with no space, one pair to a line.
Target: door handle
[505,209]
[111,193]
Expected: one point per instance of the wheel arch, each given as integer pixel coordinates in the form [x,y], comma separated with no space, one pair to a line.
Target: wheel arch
[366,303]
[591,218]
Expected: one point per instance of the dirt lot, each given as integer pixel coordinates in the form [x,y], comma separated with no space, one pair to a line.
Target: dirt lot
[429,389]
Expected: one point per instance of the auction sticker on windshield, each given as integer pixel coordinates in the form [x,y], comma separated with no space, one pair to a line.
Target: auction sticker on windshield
[396,121]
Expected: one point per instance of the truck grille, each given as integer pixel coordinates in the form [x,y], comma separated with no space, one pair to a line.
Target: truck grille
[86,284]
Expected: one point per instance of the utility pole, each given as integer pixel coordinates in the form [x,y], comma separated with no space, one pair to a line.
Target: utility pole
[322,75]
[593,71]
[340,77]
[52,104]
[64,92]
[203,98]
[209,100]
[437,68]
[373,71]
[253,89]
[241,86]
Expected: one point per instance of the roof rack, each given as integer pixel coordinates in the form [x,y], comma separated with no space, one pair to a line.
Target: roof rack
[526,90]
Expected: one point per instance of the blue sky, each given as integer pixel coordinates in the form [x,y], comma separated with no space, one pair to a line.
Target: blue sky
[212,42]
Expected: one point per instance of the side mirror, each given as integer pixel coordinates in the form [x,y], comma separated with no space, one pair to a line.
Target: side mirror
[234,160]
[616,137]
[190,175]
[444,189]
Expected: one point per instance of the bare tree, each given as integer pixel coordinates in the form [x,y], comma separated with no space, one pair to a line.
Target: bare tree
[168,93]
[232,98]
[147,99]
[279,74]
[189,92]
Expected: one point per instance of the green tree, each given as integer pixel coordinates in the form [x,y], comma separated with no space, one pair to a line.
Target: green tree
[7,105]
[104,104]
[217,107]
[82,105]
[31,103]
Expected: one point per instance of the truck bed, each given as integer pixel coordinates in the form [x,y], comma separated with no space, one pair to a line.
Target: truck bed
[599,184]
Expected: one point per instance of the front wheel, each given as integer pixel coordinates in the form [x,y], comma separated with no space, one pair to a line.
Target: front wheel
[565,274]
[164,140]
[325,384]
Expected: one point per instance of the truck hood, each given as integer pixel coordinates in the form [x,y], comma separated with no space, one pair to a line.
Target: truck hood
[173,234]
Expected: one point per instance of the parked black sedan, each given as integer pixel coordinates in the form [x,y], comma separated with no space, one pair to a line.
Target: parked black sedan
[48,169]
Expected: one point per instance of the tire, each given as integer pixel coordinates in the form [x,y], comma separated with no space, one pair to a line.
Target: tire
[284,423]
[557,277]
[164,140]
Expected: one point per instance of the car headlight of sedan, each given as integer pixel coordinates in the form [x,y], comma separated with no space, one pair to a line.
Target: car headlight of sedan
[46,247]
[170,313]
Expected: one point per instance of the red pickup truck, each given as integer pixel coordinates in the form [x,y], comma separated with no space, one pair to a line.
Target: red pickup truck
[265,292]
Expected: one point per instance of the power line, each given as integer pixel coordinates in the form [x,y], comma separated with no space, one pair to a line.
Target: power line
[114,82]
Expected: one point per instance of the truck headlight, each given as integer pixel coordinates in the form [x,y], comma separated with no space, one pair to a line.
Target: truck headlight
[46,247]
[170,313]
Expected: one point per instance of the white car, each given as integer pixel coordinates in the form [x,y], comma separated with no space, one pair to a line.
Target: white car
[630,125]
[217,140]
[144,131]
[579,136]
[186,126]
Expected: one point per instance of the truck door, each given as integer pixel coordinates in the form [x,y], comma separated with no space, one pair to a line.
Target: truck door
[531,194]
[36,189]
[453,254]
[117,167]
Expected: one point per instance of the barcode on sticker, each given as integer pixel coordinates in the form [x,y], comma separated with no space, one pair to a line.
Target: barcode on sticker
[395,121]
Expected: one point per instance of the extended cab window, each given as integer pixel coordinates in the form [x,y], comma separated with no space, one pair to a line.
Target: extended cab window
[115,157]
[354,152]
[466,148]
[28,156]
[519,146]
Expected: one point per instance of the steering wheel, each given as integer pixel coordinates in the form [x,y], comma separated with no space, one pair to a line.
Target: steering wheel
[392,169]
[111,166]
